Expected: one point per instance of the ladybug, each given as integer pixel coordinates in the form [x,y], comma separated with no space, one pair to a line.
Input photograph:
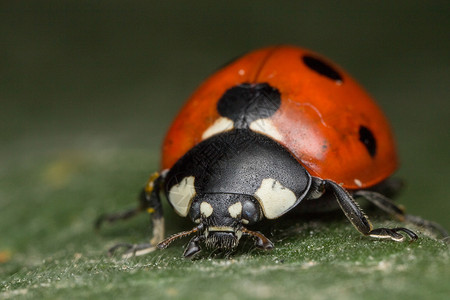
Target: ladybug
[277,129]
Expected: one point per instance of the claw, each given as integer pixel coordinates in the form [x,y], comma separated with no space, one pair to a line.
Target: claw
[410,233]
[386,233]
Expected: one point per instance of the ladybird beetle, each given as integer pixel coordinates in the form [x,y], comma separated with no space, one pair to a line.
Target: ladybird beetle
[277,129]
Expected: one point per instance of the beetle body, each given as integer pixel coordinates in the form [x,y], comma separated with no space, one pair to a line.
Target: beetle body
[321,116]
[271,129]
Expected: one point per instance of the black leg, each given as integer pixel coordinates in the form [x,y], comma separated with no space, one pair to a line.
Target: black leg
[390,187]
[432,226]
[388,206]
[114,217]
[383,203]
[359,220]
[123,215]
[150,201]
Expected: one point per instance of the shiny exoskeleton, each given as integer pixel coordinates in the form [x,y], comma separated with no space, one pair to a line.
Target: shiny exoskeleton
[269,131]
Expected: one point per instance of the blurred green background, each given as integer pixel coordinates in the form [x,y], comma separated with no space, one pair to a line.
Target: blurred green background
[88,89]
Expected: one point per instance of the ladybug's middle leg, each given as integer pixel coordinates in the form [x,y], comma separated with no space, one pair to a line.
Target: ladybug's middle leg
[358,219]
[382,202]
[388,206]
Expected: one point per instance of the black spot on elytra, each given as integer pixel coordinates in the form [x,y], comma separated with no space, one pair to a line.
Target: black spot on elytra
[246,103]
[366,137]
[322,68]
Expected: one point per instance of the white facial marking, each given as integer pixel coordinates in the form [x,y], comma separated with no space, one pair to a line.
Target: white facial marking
[275,199]
[220,228]
[220,125]
[181,194]
[235,210]
[265,126]
[206,209]
[357,182]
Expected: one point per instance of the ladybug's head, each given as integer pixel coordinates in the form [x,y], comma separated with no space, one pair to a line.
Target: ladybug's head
[221,220]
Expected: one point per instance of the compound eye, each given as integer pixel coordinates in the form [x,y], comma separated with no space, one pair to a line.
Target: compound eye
[250,212]
[194,212]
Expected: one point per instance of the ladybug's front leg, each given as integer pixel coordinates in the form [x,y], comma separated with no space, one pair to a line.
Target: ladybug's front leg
[356,216]
[150,201]
[154,207]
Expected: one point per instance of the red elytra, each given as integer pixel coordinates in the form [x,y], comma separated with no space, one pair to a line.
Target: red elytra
[318,121]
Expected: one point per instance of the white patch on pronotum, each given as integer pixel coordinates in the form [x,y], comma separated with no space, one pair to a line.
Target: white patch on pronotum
[181,194]
[222,124]
[274,198]
[266,127]
[357,182]
[206,209]
[235,210]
